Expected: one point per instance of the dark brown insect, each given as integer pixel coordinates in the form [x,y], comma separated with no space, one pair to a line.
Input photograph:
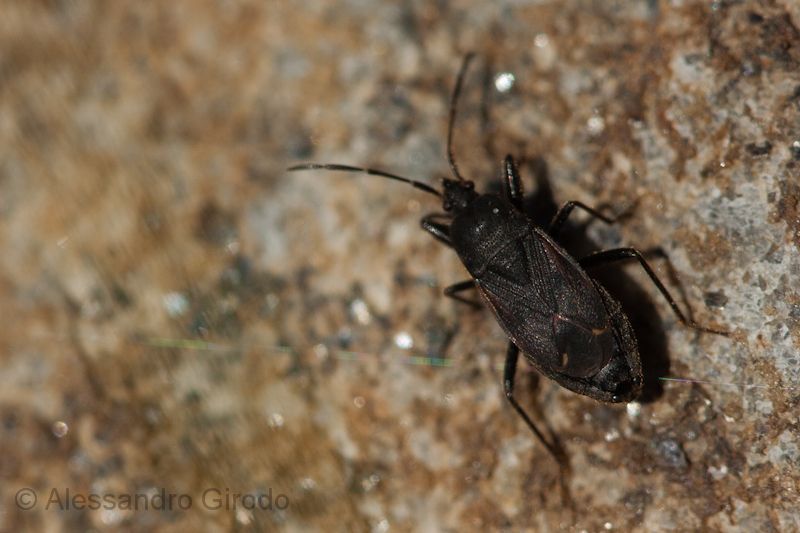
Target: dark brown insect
[564,322]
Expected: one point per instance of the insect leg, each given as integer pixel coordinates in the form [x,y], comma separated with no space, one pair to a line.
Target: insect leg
[620,254]
[512,183]
[437,229]
[442,233]
[453,290]
[508,386]
[561,216]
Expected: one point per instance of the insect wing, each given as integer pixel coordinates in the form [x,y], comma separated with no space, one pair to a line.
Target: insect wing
[530,283]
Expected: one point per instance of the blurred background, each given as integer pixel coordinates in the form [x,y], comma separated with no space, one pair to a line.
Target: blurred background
[182,316]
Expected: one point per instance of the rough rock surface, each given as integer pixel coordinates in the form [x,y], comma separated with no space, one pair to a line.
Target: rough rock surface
[182,314]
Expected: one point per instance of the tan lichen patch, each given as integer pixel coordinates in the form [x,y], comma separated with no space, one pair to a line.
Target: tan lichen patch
[787,209]
[706,249]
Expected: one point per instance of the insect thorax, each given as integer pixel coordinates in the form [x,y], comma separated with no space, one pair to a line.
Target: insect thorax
[483,232]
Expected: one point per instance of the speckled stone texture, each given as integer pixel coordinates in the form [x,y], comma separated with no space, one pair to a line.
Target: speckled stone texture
[182,314]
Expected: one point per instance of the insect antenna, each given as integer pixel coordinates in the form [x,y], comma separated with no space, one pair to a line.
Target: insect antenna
[347,168]
[453,104]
